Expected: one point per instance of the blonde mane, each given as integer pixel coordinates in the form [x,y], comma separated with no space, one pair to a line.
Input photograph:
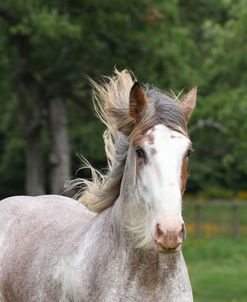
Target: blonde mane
[111,101]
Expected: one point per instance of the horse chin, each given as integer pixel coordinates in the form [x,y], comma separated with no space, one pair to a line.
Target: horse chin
[167,251]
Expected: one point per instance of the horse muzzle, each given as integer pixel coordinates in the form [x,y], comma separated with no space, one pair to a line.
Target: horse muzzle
[169,240]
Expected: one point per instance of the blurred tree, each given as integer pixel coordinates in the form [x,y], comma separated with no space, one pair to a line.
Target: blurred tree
[34,35]
[224,91]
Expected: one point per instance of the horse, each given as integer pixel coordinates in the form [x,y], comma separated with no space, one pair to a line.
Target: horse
[120,239]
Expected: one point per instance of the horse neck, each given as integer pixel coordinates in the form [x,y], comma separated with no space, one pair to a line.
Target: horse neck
[112,229]
[147,266]
[112,249]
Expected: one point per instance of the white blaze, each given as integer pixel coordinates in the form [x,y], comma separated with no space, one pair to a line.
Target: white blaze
[160,177]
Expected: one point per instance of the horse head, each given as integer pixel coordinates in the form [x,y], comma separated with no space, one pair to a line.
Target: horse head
[148,147]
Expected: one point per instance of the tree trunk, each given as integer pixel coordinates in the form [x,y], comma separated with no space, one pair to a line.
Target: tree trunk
[34,165]
[31,120]
[60,146]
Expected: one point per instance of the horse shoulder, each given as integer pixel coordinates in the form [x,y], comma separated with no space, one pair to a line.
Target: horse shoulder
[35,234]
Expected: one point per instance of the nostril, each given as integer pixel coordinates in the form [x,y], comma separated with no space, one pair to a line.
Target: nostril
[158,230]
[183,232]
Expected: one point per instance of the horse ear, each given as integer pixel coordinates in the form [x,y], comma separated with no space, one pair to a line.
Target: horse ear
[137,101]
[188,103]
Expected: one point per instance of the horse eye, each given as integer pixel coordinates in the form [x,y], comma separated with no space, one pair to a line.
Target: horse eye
[140,152]
[188,153]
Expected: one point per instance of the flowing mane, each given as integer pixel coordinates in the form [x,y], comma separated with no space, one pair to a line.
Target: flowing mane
[111,101]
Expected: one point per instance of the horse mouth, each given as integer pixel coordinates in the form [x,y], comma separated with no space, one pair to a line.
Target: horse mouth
[166,251]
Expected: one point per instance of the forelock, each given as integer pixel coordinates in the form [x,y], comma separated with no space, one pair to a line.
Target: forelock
[166,110]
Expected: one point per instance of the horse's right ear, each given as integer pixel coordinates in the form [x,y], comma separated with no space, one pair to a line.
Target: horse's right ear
[137,101]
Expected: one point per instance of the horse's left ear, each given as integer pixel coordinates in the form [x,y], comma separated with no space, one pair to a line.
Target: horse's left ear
[188,103]
[137,101]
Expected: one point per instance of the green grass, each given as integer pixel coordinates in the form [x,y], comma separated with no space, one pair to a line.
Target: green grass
[217,269]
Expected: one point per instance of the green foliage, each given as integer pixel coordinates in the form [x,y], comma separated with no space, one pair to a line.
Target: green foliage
[11,151]
[171,44]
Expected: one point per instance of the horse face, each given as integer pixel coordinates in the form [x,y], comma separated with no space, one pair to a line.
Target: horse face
[161,156]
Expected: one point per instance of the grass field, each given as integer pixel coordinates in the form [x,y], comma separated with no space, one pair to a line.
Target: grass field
[217,268]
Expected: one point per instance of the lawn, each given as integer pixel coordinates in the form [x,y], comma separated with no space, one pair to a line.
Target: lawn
[217,268]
